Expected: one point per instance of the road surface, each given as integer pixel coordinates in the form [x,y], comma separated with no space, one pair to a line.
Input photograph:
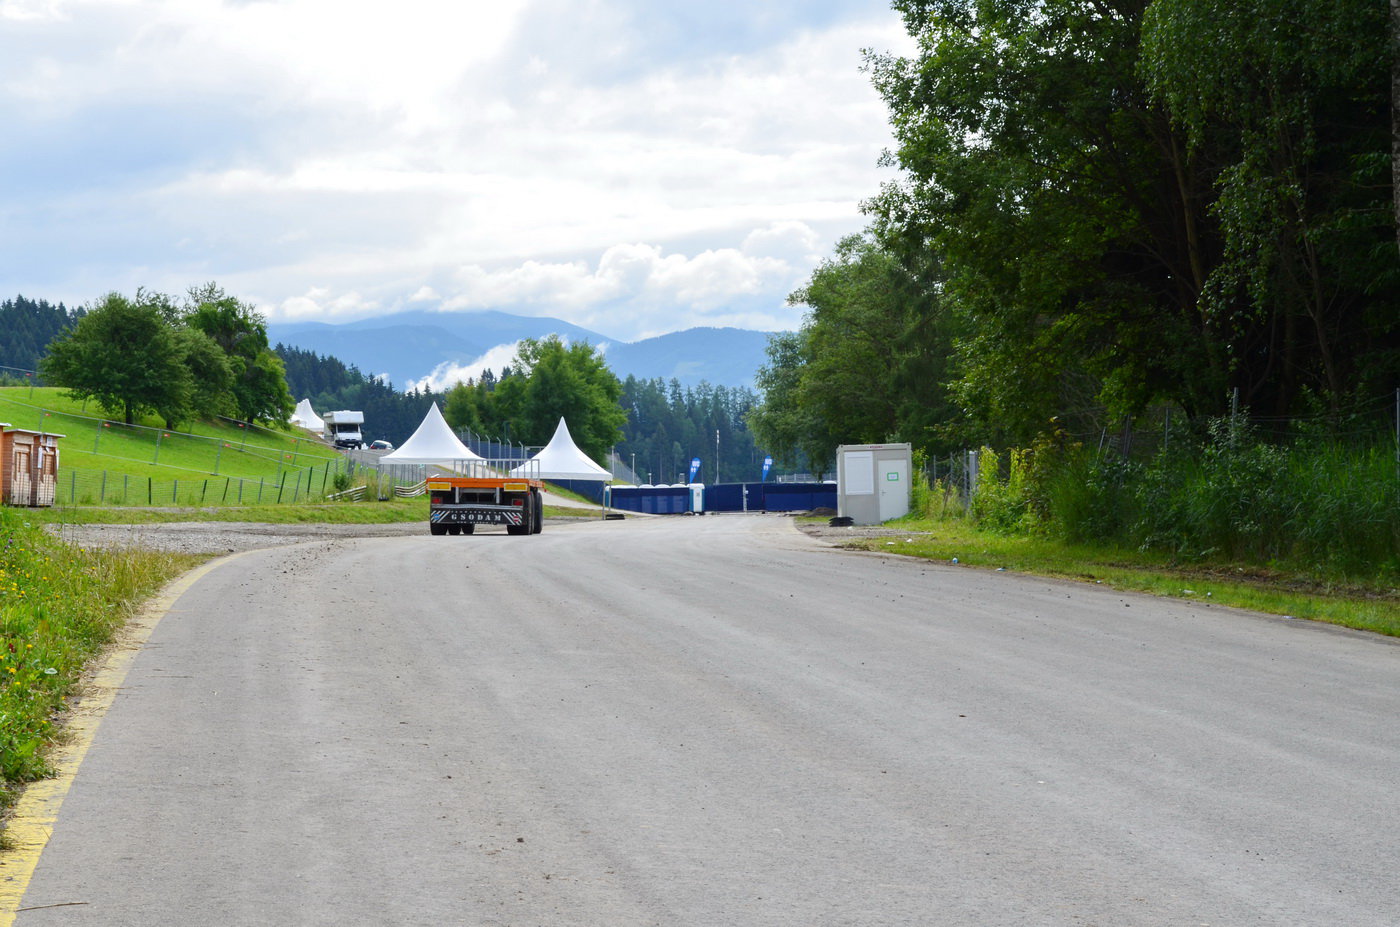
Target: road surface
[717,721]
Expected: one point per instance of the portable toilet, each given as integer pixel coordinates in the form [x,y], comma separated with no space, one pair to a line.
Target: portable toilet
[873,482]
[28,466]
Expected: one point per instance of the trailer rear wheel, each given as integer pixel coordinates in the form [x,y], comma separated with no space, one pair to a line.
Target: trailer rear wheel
[435,529]
[538,524]
[527,517]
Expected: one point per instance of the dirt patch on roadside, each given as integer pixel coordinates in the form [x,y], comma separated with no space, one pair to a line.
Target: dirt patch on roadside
[855,532]
[227,537]
[222,537]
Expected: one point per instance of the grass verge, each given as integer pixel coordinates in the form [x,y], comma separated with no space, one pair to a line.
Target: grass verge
[1352,604]
[59,606]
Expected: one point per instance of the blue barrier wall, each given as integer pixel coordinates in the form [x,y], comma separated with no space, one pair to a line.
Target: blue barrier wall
[651,500]
[726,497]
[796,497]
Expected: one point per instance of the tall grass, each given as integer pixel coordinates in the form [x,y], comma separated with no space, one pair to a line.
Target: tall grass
[59,606]
[1328,510]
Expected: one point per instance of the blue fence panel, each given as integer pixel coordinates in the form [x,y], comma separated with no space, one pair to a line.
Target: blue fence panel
[651,500]
[769,497]
[797,497]
[726,497]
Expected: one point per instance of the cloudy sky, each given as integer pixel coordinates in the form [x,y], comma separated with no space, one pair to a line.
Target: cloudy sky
[632,166]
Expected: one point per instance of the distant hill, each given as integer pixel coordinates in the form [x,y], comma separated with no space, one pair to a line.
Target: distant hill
[408,346]
[720,356]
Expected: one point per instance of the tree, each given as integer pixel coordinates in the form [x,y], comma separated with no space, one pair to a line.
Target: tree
[29,325]
[211,379]
[1291,102]
[869,365]
[462,406]
[1052,195]
[125,354]
[1395,112]
[572,382]
[667,426]
[783,422]
[1126,202]
[259,386]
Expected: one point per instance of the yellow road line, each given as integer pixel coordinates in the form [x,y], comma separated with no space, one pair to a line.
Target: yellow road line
[34,816]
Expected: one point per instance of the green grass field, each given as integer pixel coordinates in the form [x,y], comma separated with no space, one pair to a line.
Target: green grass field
[92,442]
[107,462]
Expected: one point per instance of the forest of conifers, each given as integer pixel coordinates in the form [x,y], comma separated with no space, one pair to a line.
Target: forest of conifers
[1105,208]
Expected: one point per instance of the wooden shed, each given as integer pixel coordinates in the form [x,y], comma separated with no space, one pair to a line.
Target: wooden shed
[28,466]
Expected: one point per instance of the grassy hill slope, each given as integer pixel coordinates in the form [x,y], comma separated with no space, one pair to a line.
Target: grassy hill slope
[116,454]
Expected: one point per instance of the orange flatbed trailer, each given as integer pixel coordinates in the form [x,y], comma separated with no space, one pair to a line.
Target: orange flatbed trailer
[457,504]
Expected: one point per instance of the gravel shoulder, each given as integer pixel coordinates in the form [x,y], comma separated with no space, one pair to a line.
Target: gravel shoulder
[223,537]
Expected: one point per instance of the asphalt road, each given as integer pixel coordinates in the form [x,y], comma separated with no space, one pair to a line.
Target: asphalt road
[716,721]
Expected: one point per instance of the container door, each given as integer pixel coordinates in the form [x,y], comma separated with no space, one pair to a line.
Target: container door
[893,480]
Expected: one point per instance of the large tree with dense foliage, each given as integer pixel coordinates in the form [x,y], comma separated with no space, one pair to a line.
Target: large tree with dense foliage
[784,423]
[569,381]
[1287,103]
[1071,234]
[125,354]
[547,380]
[1123,202]
[259,385]
[869,365]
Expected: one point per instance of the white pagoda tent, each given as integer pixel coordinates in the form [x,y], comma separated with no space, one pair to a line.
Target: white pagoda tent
[306,417]
[432,443]
[561,459]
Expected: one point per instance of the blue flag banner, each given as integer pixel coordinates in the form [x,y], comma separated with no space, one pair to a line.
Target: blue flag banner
[767,465]
[694,468]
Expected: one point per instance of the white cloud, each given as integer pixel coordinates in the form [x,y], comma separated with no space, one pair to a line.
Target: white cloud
[323,304]
[30,10]
[335,158]
[447,375]
[628,281]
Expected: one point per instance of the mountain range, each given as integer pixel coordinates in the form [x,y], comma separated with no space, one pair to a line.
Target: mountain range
[406,347]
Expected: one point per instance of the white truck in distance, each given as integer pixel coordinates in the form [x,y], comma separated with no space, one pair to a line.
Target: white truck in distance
[343,428]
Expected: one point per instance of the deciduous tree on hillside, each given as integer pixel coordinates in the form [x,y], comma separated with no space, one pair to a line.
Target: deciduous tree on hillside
[124,354]
[259,384]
